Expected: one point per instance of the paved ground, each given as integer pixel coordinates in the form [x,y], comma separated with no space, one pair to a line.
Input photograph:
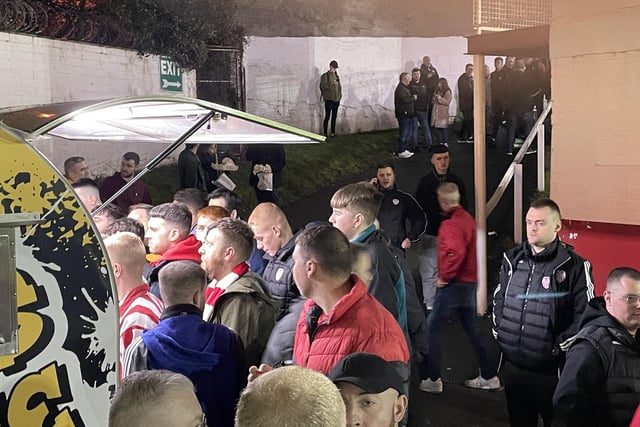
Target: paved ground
[458,405]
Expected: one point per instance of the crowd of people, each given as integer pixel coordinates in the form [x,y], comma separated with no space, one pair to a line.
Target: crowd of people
[514,95]
[246,323]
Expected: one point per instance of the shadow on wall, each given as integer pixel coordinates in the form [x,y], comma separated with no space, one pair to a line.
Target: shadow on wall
[309,101]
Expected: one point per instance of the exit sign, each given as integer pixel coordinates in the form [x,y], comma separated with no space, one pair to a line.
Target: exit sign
[170,75]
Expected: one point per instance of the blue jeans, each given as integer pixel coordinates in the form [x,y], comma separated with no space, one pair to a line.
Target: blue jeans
[460,297]
[518,123]
[405,125]
[422,119]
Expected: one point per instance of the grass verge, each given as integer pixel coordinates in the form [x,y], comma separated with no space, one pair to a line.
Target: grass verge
[309,167]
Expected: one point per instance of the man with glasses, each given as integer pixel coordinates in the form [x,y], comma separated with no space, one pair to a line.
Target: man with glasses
[543,291]
[600,382]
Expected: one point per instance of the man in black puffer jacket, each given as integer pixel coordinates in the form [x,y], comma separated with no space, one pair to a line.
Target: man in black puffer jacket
[543,291]
[600,382]
[273,235]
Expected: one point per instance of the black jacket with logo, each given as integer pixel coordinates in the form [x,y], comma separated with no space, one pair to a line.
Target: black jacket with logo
[538,304]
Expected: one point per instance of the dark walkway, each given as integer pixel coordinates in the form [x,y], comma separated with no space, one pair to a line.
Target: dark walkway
[458,405]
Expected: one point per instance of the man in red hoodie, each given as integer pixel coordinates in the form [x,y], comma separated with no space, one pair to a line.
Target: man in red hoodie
[168,236]
[456,289]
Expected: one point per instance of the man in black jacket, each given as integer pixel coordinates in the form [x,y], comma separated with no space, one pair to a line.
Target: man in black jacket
[396,208]
[422,95]
[600,382]
[273,235]
[543,291]
[189,169]
[406,115]
[427,197]
[465,103]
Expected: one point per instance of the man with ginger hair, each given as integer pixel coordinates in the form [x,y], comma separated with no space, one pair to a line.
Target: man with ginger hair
[291,396]
[139,309]
[274,236]
[206,216]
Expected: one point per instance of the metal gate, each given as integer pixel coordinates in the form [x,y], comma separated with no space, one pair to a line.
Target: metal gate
[221,78]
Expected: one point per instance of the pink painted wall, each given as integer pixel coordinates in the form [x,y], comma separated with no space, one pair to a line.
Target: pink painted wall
[595,63]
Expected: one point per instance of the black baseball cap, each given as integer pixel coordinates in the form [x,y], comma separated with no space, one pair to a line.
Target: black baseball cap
[333,64]
[369,372]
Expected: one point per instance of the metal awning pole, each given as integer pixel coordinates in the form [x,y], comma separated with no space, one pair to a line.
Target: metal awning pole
[156,160]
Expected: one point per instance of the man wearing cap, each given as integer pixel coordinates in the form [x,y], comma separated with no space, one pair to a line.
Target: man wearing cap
[331,93]
[363,379]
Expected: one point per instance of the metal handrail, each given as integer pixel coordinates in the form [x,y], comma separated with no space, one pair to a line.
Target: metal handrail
[508,175]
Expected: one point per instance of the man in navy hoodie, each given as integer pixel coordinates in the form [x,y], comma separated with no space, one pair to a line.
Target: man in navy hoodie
[210,355]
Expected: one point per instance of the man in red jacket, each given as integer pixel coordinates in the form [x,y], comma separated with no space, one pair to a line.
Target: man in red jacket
[340,317]
[456,288]
[168,236]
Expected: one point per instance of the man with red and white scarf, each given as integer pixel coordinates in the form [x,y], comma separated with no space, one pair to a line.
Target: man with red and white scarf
[236,297]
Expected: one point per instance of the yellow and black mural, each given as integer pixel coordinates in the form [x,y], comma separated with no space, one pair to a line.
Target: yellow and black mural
[65,366]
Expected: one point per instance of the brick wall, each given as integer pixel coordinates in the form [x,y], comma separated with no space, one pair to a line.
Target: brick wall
[36,70]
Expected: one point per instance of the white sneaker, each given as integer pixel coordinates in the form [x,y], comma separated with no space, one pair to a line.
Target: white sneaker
[431,386]
[405,154]
[481,383]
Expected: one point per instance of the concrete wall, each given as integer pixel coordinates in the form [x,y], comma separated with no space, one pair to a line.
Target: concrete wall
[284,87]
[42,71]
[595,56]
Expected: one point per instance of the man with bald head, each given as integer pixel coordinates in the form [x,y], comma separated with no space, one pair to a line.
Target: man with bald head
[274,236]
[599,382]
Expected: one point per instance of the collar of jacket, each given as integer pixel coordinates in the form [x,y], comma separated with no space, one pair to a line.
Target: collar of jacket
[364,234]
[180,310]
[549,253]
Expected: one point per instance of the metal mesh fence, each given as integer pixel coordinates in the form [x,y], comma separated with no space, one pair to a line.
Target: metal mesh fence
[510,14]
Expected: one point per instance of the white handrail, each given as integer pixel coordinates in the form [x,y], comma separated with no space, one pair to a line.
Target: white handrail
[508,175]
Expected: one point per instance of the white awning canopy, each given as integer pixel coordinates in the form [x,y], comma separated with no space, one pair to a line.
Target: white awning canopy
[150,119]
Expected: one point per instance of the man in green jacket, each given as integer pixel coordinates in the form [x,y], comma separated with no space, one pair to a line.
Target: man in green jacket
[236,297]
[331,93]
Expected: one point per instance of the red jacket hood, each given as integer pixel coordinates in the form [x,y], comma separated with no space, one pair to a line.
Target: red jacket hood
[185,250]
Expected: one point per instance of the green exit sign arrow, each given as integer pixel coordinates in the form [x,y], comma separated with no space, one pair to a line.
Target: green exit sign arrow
[170,75]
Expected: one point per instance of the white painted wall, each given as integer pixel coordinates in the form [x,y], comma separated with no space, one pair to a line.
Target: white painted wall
[283,74]
[42,71]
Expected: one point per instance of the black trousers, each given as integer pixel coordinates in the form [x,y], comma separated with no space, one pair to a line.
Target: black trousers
[528,394]
[466,130]
[330,109]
